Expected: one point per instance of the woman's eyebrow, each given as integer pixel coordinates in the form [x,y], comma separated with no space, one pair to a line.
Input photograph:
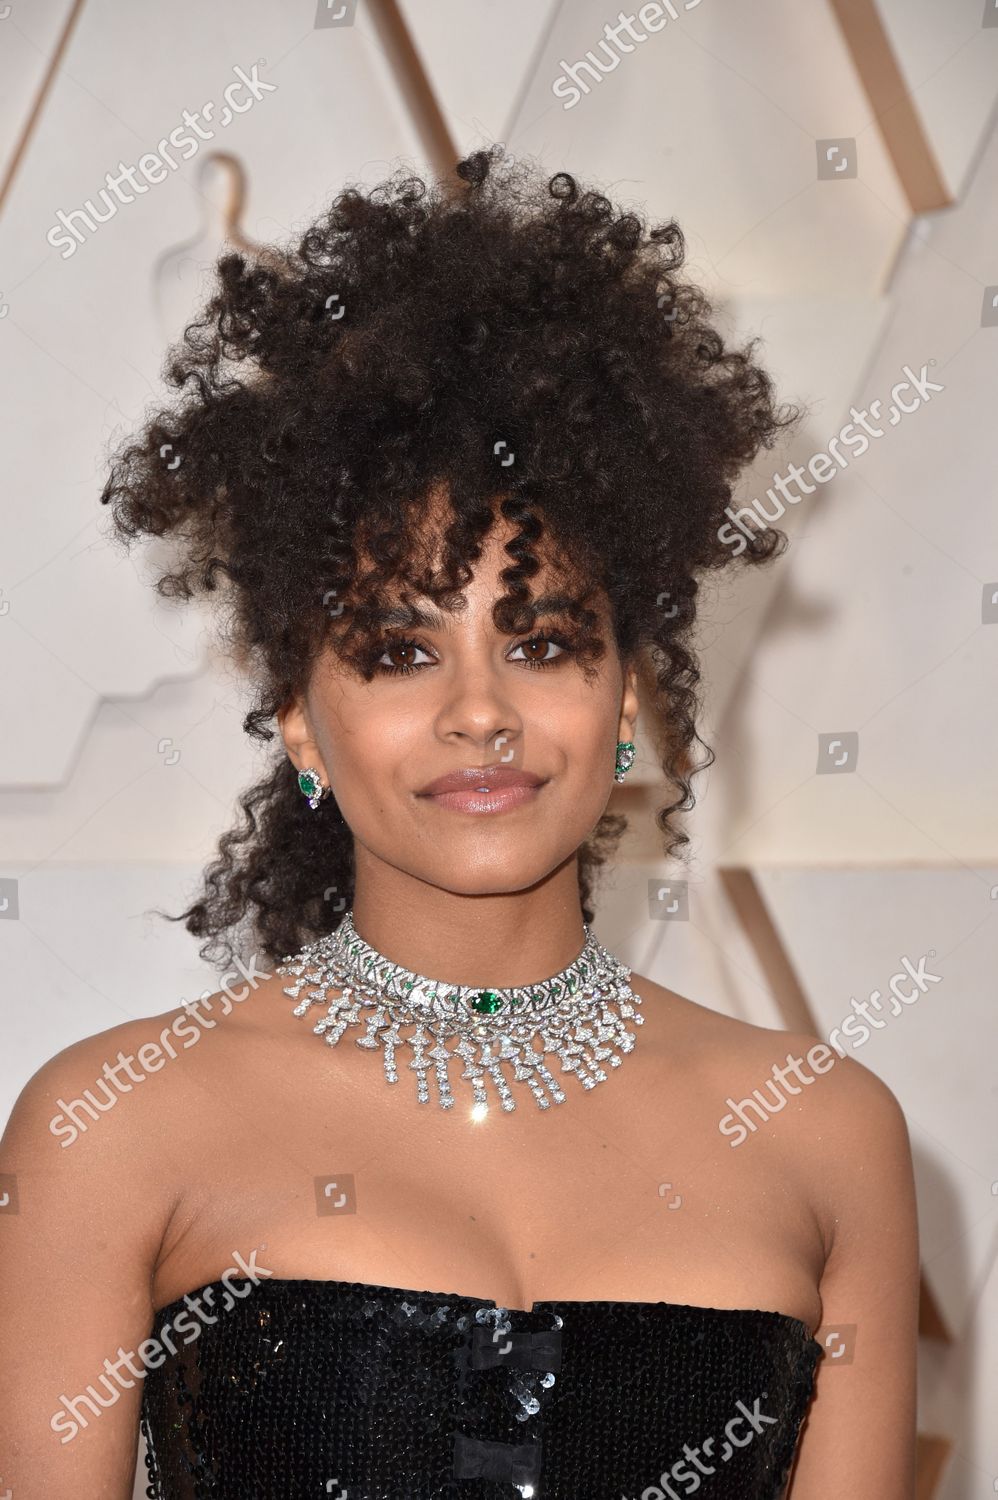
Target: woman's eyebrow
[432,619]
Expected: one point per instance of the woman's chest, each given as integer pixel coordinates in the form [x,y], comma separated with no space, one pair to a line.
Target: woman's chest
[595,1200]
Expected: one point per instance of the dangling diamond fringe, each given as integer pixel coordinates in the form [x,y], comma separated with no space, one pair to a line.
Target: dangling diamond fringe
[578,1016]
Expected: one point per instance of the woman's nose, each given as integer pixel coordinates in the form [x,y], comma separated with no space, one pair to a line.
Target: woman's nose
[478,705]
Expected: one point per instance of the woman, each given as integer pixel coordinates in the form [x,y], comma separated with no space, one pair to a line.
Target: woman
[457,466]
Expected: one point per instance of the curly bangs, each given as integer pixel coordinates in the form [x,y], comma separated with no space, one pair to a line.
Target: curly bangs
[519,346]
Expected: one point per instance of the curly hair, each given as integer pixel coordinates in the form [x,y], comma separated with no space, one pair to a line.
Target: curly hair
[518,341]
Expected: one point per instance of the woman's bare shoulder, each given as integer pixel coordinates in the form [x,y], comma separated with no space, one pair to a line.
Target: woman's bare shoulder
[149,1061]
[750,1054]
[698,1032]
[81,1084]
[824,1111]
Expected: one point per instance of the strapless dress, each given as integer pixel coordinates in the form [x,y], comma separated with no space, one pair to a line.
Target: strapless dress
[303,1389]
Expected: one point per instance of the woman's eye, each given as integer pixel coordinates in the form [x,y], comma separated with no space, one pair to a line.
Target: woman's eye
[537,654]
[404,649]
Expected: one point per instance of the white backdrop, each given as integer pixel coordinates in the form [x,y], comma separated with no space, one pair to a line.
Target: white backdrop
[121,751]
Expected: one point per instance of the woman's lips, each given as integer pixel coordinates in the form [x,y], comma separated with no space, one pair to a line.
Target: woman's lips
[477,801]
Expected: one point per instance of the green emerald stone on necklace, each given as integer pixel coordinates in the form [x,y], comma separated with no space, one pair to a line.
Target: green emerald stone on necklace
[487,1002]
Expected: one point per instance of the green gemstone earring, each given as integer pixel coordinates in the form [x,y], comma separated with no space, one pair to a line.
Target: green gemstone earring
[310,784]
[625,759]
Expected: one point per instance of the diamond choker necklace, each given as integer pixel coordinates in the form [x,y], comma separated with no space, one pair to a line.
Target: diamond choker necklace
[577,1016]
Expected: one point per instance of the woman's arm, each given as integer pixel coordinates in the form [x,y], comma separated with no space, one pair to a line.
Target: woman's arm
[76,1261]
[859,1439]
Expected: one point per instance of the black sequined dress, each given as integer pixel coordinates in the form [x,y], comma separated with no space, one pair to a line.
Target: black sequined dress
[304,1389]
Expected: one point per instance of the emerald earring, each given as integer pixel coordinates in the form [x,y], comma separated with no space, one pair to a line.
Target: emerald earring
[625,759]
[310,784]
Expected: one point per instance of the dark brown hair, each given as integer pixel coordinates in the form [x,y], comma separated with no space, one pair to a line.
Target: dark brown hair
[520,342]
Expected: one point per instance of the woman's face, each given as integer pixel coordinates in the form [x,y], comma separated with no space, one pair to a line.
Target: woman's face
[463,695]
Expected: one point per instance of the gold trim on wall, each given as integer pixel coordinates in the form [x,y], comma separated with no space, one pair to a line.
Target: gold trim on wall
[895,110]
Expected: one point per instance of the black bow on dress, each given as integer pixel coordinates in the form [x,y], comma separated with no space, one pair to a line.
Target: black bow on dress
[504,1463]
[525,1351]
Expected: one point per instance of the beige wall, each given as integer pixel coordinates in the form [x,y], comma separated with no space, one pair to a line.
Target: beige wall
[121,751]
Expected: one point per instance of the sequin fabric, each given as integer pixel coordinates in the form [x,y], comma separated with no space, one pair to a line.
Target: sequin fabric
[365,1392]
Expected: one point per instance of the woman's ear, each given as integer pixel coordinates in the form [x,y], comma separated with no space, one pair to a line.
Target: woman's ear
[629,704]
[298,737]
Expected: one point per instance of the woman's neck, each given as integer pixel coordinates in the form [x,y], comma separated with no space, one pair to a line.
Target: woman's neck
[511,938]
